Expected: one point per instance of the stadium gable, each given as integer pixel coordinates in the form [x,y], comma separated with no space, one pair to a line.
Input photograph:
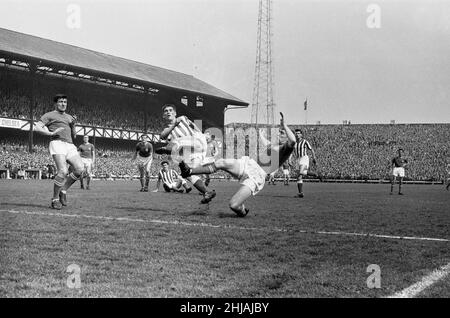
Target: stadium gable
[15,43]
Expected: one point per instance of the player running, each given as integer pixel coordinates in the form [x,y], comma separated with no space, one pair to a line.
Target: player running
[171,180]
[61,127]
[144,157]
[302,146]
[398,170]
[188,143]
[251,176]
[87,154]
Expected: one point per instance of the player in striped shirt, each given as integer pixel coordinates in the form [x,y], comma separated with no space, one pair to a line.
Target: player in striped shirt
[301,159]
[186,143]
[171,180]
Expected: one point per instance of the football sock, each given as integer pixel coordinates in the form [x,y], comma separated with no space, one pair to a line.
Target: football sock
[147,181]
[300,186]
[69,181]
[200,186]
[142,182]
[59,182]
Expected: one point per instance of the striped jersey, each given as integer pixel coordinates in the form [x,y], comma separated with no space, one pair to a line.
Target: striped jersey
[301,148]
[168,177]
[185,128]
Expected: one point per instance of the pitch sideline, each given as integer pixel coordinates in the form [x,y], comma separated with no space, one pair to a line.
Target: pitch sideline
[274,229]
[425,282]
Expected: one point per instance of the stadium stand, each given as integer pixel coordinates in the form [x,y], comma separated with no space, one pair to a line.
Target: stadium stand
[352,152]
[94,105]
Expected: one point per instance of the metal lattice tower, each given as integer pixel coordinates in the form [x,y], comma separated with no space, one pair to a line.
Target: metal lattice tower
[263,103]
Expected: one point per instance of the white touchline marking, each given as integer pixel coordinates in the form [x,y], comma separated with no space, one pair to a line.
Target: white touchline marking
[426,282]
[274,229]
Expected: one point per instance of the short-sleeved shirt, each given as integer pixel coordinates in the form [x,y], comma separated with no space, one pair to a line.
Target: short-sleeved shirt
[54,120]
[399,162]
[144,148]
[86,150]
[168,177]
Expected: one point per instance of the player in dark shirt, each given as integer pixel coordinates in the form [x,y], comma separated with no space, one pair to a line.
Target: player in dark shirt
[61,127]
[398,170]
[87,154]
[144,157]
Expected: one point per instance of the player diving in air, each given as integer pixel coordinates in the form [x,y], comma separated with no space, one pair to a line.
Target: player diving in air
[251,176]
[144,157]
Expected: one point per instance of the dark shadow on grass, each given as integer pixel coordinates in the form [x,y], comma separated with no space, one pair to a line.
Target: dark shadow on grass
[26,205]
[223,215]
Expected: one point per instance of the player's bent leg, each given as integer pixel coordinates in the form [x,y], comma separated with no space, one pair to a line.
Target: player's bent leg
[78,169]
[237,201]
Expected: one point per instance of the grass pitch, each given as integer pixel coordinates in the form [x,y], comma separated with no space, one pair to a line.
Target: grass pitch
[132,244]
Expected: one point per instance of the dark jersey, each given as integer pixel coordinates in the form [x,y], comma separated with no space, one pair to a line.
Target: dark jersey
[86,150]
[399,162]
[282,153]
[54,120]
[144,148]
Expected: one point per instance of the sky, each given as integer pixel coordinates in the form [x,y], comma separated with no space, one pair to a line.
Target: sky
[350,59]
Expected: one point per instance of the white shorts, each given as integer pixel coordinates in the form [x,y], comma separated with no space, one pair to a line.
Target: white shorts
[176,184]
[286,172]
[59,147]
[194,149]
[398,172]
[87,162]
[251,174]
[304,161]
[144,162]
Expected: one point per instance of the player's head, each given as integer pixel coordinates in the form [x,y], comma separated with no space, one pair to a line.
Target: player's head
[145,137]
[298,134]
[165,165]
[400,151]
[60,101]
[169,112]
[86,139]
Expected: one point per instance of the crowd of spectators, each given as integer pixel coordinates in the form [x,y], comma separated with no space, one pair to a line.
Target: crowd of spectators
[100,106]
[343,152]
[366,151]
